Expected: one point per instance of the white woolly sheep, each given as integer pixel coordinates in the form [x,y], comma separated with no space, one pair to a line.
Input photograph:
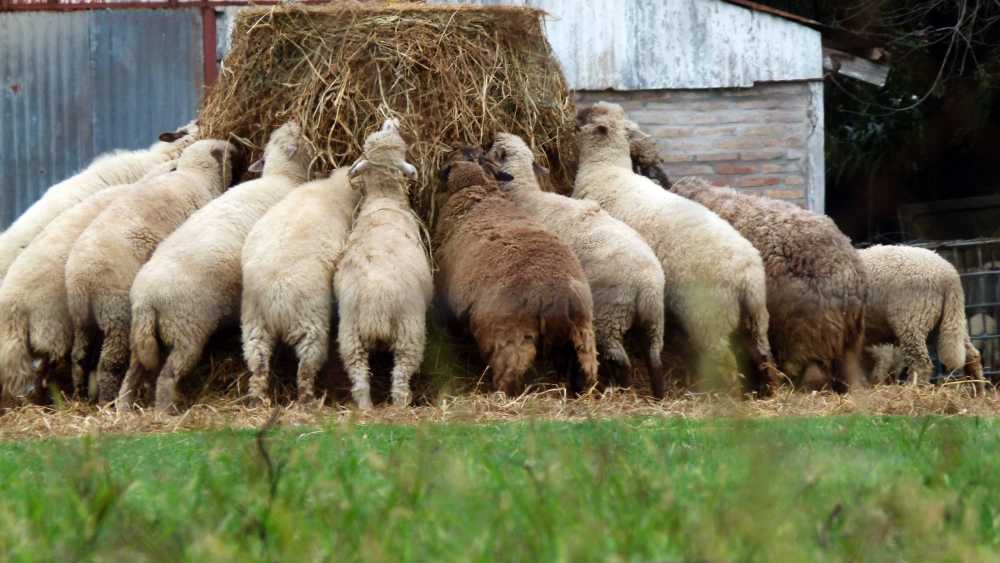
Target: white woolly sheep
[288,263]
[915,292]
[35,323]
[625,276]
[108,255]
[383,282]
[192,284]
[714,277]
[112,169]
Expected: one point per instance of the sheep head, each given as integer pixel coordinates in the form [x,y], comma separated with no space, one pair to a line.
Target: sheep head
[287,152]
[467,166]
[385,154]
[173,142]
[605,126]
[514,156]
[218,157]
[646,161]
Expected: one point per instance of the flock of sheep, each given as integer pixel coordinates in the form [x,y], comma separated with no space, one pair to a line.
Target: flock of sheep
[144,255]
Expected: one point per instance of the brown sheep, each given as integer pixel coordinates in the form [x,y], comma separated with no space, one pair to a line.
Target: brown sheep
[517,287]
[816,283]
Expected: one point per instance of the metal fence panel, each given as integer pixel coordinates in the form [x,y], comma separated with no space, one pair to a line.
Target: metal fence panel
[148,72]
[45,105]
[76,84]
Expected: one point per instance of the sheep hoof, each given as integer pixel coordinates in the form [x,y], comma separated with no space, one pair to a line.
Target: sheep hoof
[258,403]
[401,398]
[364,403]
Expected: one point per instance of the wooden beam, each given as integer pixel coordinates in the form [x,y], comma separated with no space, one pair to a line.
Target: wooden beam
[209,47]
[840,62]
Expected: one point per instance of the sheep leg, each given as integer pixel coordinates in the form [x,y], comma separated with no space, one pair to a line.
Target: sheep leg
[179,363]
[408,352]
[43,374]
[654,365]
[355,358]
[311,350]
[130,386]
[914,348]
[973,367]
[114,360]
[508,362]
[81,340]
[614,356]
[257,347]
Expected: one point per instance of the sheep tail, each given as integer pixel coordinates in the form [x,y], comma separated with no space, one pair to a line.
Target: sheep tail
[953,331]
[16,372]
[145,345]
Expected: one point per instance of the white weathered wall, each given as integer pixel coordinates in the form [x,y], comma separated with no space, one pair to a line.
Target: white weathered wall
[673,44]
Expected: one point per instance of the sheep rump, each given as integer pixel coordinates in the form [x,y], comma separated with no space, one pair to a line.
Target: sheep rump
[383,282]
[816,283]
[517,287]
[625,277]
[192,284]
[35,321]
[289,260]
[915,295]
[108,255]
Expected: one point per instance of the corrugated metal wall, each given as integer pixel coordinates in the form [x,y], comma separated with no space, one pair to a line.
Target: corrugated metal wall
[674,44]
[75,85]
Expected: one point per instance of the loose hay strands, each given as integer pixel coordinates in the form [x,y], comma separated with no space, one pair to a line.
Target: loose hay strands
[450,74]
[77,419]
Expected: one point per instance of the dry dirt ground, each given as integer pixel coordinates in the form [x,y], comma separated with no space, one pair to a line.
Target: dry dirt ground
[75,419]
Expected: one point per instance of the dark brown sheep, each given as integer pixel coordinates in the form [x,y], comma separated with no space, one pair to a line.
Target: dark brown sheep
[517,287]
[816,283]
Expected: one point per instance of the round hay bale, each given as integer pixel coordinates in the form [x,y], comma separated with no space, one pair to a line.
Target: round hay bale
[449,73]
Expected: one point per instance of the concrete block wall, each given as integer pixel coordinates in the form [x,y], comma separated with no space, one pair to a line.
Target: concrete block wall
[752,139]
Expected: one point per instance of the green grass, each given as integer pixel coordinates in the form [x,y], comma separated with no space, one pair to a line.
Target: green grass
[790,489]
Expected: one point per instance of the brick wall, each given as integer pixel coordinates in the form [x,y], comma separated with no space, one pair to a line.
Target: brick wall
[752,139]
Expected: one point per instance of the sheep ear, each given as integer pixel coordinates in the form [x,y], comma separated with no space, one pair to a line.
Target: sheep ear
[409,170]
[358,169]
[601,129]
[583,117]
[219,155]
[443,174]
[171,136]
[501,153]
[539,169]
[502,176]
[636,134]
[293,148]
[257,166]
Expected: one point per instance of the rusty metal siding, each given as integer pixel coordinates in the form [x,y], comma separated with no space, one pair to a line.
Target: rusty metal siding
[674,44]
[75,85]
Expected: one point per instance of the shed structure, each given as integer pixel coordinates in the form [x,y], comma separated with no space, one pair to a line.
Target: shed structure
[731,90]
